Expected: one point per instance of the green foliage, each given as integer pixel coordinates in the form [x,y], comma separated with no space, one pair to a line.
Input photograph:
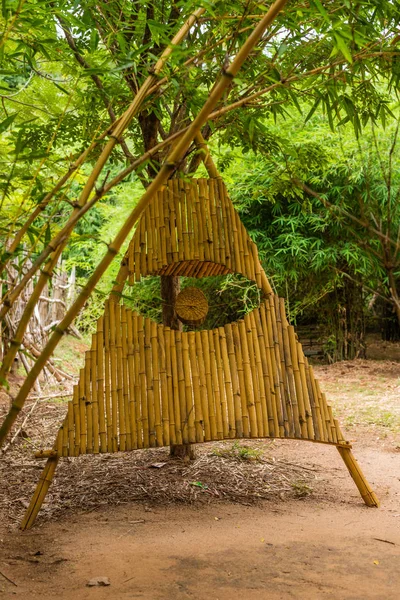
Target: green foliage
[67,68]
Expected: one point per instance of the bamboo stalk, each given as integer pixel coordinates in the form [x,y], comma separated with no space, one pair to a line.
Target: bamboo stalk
[321,410]
[362,484]
[125,377]
[164,385]
[175,390]
[235,381]
[281,348]
[113,379]
[82,412]
[107,377]
[214,222]
[226,223]
[297,381]
[94,394]
[242,385]
[208,431]
[156,383]
[216,387]
[182,388]
[273,329]
[100,384]
[228,383]
[273,425]
[258,375]
[272,369]
[311,395]
[168,167]
[170,387]
[249,392]
[188,377]
[148,398]
[221,383]
[294,428]
[307,402]
[71,429]
[137,323]
[134,389]
[77,421]
[199,220]
[40,493]
[119,418]
[198,418]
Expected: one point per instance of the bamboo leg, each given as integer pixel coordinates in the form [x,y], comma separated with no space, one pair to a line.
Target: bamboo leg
[362,484]
[40,493]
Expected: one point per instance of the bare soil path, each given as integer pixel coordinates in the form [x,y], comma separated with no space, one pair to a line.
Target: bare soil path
[326,544]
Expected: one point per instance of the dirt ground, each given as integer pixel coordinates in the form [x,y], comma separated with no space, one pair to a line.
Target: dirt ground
[323,543]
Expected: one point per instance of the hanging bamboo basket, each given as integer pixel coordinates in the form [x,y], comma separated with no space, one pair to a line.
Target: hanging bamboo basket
[191,306]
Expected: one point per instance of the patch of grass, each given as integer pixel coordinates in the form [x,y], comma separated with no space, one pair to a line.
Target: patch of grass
[301,490]
[239,452]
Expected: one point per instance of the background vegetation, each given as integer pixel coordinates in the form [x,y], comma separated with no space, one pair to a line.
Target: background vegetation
[311,155]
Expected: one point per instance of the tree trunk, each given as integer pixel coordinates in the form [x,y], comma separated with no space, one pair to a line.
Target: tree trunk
[347,322]
[169,291]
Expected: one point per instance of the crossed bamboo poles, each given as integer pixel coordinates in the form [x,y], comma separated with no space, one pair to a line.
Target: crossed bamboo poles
[170,164]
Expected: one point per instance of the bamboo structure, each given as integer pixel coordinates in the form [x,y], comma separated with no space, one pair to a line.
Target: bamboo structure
[144,385]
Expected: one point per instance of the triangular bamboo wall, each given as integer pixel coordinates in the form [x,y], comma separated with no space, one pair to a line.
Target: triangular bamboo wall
[145,385]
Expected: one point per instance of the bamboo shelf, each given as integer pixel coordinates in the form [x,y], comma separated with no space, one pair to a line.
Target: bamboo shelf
[144,385]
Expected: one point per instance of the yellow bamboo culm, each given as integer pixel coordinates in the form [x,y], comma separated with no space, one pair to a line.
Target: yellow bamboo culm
[362,484]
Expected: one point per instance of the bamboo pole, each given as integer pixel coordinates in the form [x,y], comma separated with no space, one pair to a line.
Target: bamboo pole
[156,383]
[144,410]
[113,376]
[100,384]
[123,357]
[82,412]
[316,402]
[208,431]
[362,484]
[188,377]
[307,400]
[164,391]
[133,393]
[272,425]
[77,421]
[228,383]
[175,390]
[249,393]
[242,386]
[170,386]
[94,394]
[107,378]
[168,167]
[272,369]
[149,382]
[183,404]
[282,355]
[273,330]
[221,382]
[40,493]
[257,372]
[235,380]
[216,387]
[138,379]
[294,428]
